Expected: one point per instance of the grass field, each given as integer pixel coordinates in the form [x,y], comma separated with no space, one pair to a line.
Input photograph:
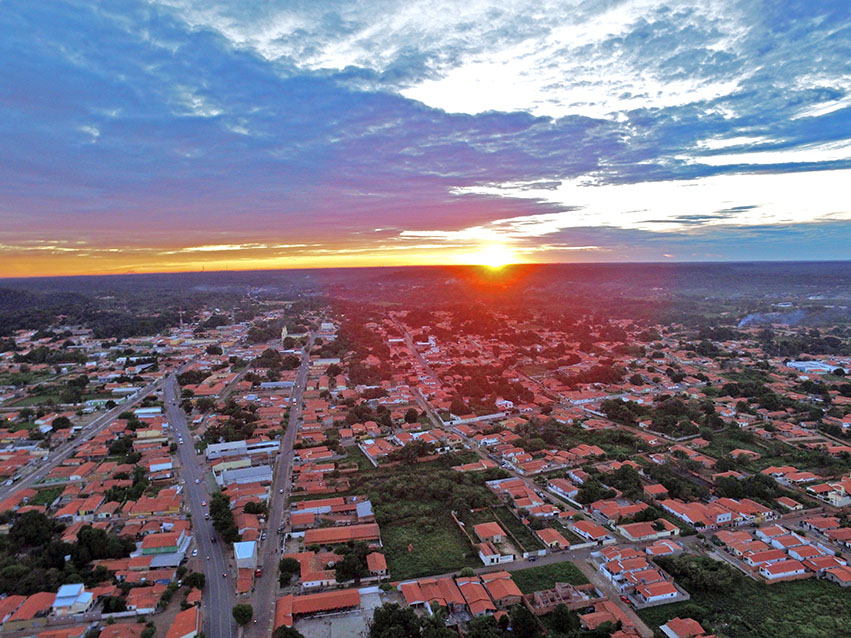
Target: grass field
[438,547]
[36,399]
[747,609]
[546,576]
[46,497]
[358,457]
[511,524]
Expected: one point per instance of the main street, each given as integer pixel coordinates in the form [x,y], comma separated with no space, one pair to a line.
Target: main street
[268,556]
[218,591]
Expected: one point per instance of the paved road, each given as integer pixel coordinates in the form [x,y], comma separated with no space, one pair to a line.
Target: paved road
[218,592]
[409,341]
[266,587]
[32,475]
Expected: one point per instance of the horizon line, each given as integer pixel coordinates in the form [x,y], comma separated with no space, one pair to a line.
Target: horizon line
[430,266]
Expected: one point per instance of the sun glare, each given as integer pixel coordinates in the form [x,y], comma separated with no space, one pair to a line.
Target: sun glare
[494,256]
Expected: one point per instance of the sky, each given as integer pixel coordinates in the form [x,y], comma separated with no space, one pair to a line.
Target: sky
[171,135]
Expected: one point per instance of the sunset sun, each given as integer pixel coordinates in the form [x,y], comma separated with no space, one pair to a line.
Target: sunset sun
[494,256]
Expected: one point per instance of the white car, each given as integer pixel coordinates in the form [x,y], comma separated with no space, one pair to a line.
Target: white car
[197,481]
[194,552]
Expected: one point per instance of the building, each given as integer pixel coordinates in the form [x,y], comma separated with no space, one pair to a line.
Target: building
[187,624]
[245,554]
[367,532]
[376,564]
[682,628]
[72,599]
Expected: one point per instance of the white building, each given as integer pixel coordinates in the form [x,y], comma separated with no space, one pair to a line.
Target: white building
[72,599]
[245,553]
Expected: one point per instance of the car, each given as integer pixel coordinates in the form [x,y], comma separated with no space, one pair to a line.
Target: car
[224,574]
[197,481]
[281,491]
[194,552]
[533,559]
[625,599]
[204,503]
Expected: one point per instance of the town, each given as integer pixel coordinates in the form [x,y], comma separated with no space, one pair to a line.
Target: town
[319,467]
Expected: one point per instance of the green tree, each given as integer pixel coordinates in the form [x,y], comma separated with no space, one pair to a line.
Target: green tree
[242,613]
[287,632]
[32,529]
[288,567]
[524,624]
[195,579]
[393,621]
[483,627]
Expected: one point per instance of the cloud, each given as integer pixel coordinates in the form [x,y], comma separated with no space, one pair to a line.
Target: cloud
[784,198]
[807,153]
[295,129]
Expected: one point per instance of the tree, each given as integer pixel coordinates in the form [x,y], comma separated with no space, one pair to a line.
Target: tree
[287,632]
[411,415]
[195,579]
[458,407]
[242,613]
[214,349]
[31,529]
[61,422]
[524,624]
[350,568]
[393,621]
[483,627]
[564,620]
[288,567]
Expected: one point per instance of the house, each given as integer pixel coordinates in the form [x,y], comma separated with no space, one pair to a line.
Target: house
[144,600]
[72,599]
[489,532]
[840,575]
[682,628]
[552,538]
[562,488]
[656,592]
[590,531]
[476,596]
[376,564]
[502,589]
[428,591]
[660,528]
[367,532]
[186,624]
[782,569]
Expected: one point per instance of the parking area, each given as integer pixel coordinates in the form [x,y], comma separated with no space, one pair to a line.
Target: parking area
[351,624]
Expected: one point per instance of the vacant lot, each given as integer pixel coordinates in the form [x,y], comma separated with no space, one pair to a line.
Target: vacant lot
[437,547]
[546,576]
[511,524]
[747,609]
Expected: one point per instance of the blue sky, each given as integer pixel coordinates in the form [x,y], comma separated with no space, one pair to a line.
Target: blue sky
[170,135]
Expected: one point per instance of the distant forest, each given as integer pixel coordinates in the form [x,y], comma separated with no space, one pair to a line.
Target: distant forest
[694,294]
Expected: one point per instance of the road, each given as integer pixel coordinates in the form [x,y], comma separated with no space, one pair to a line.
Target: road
[31,476]
[265,589]
[409,341]
[218,591]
